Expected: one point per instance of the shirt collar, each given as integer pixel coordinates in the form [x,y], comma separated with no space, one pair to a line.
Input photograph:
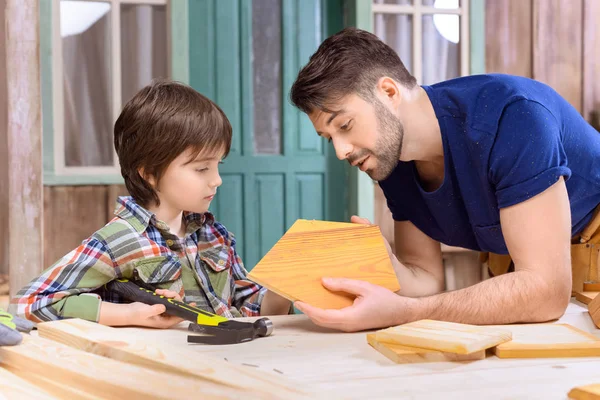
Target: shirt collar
[140,218]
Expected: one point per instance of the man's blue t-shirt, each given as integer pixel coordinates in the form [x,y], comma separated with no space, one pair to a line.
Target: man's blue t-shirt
[506,139]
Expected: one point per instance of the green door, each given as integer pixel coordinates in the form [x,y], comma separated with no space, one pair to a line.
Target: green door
[245,55]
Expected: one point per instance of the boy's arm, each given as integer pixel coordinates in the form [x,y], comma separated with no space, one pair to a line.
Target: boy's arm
[62,291]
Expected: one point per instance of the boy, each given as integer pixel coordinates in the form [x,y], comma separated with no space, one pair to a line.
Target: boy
[170,140]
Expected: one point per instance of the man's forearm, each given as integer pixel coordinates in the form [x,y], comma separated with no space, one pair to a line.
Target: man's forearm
[520,296]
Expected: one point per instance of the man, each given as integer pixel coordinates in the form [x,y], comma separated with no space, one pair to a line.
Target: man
[494,163]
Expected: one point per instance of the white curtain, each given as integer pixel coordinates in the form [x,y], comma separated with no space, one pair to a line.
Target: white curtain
[88,98]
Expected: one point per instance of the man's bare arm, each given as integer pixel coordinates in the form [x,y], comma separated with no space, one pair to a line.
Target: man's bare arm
[537,233]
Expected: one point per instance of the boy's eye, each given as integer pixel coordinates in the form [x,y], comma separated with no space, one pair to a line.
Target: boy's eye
[345,126]
[202,169]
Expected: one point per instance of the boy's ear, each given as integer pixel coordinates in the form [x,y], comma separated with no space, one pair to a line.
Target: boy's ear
[147,177]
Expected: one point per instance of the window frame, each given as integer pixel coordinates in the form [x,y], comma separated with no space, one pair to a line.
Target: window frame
[417,10]
[55,170]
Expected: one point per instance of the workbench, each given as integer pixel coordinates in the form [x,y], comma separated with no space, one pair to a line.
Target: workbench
[343,365]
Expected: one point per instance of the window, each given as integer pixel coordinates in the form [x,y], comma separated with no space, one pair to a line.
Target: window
[430,36]
[103,52]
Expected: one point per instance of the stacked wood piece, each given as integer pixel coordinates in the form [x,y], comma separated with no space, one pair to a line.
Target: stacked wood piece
[427,340]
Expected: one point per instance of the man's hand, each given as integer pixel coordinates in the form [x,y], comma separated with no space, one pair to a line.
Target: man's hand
[374,307]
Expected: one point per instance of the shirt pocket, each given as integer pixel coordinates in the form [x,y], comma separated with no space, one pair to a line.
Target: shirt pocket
[490,238]
[217,263]
[160,272]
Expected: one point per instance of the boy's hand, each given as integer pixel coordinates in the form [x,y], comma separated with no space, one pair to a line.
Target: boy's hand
[154,316]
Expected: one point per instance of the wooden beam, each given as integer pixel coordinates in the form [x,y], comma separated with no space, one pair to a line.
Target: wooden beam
[25,205]
[558,47]
[14,387]
[118,345]
[508,37]
[591,58]
[109,379]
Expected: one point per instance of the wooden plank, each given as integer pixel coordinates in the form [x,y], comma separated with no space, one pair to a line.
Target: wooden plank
[547,341]
[294,267]
[594,311]
[591,286]
[14,387]
[106,378]
[53,388]
[71,214]
[558,47]
[3,149]
[118,345]
[406,354]
[591,58]
[588,392]
[25,209]
[508,38]
[444,336]
[586,297]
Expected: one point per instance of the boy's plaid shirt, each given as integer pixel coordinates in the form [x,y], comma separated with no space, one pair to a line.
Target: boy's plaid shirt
[135,245]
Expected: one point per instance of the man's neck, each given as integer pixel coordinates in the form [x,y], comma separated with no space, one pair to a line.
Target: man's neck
[422,135]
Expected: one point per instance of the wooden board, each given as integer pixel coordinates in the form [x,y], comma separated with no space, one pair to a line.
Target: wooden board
[106,378]
[586,297]
[54,388]
[547,341]
[116,344]
[591,286]
[588,392]
[594,311]
[405,354]
[310,250]
[445,336]
[13,387]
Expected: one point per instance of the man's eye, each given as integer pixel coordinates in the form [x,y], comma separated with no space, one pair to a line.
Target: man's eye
[202,169]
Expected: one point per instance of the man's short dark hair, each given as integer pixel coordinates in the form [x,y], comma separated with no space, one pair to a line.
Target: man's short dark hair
[163,120]
[351,61]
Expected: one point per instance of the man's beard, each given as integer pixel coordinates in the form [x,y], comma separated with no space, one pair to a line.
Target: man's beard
[389,143]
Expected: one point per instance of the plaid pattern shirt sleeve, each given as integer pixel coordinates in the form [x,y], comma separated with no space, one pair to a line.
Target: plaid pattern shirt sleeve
[62,290]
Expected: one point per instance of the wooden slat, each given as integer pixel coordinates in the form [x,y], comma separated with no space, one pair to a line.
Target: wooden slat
[588,392]
[547,341]
[405,354]
[106,378]
[25,208]
[116,344]
[444,336]
[71,214]
[586,297]
[594,311]
[558,47]
[53,388]
[294,267]
[508,38]
[14,387]
[591,57]
[3,149]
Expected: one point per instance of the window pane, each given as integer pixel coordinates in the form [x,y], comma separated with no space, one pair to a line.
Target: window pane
[85,33]
[143,47]
[266,65]
[396,31]
[441,49]
[446,4]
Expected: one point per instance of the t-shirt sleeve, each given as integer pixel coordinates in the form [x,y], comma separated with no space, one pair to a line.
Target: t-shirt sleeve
[528,155]
[396,211]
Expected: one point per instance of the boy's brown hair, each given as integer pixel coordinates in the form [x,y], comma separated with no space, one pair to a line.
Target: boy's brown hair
[349,62]
[160,122]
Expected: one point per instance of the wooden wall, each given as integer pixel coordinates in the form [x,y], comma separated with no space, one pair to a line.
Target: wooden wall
[72,213]
[3,146]
[553,41]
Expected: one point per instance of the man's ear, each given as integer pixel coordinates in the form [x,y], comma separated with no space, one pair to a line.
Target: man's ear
[147,177]
[389,89]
